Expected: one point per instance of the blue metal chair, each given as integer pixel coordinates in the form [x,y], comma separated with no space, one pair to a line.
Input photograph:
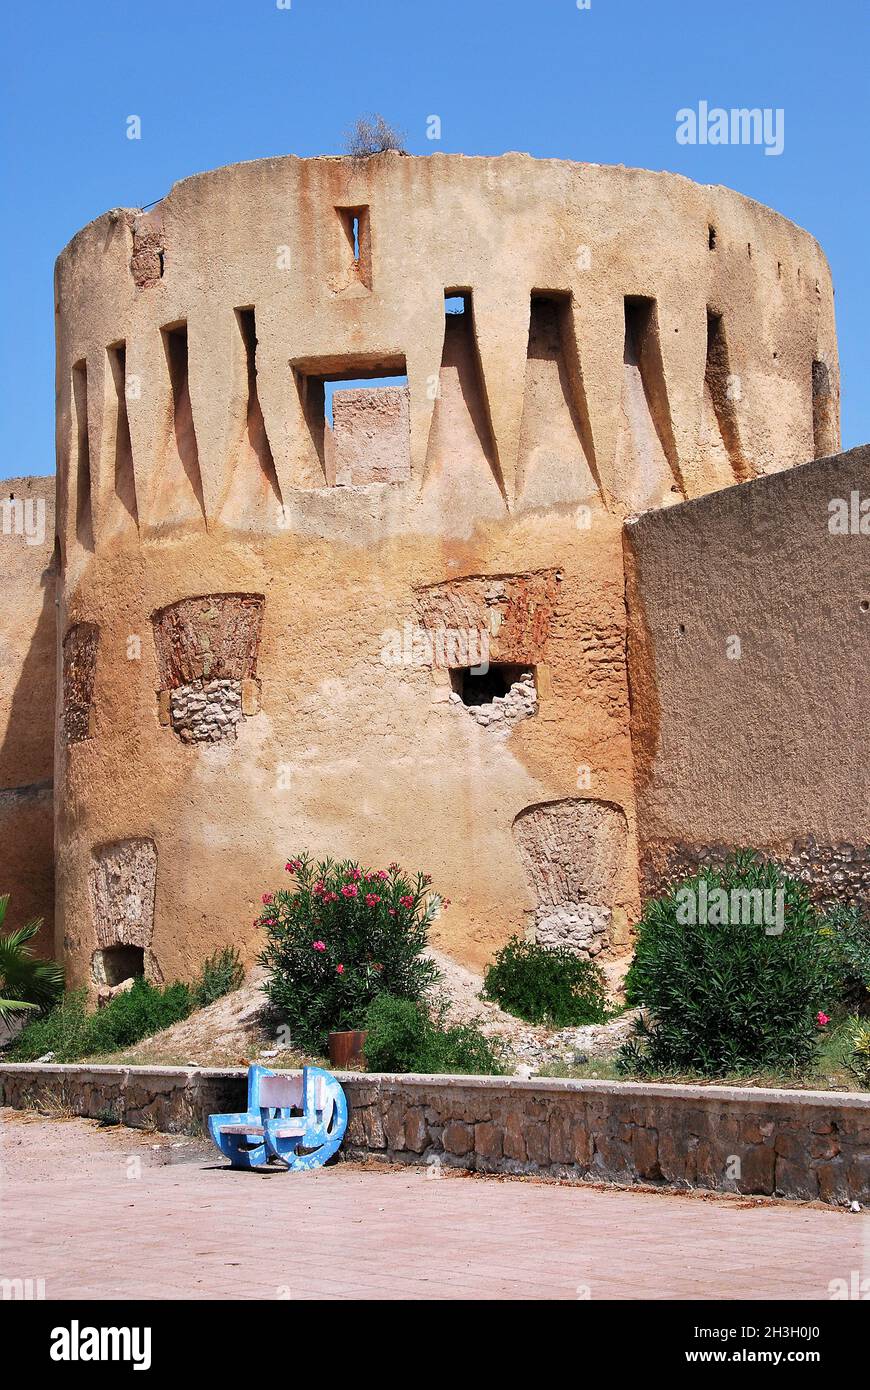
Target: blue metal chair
[269,1128]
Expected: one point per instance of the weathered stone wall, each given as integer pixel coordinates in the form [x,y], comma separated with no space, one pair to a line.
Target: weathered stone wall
[27,702]
[371,436]
[810,1145]
[556,383]
[749,658]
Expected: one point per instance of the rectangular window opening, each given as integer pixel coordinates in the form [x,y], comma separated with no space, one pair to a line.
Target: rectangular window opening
[349,387]
[356,247]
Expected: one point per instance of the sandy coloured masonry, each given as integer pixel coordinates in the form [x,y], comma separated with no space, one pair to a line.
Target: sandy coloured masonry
[239,552]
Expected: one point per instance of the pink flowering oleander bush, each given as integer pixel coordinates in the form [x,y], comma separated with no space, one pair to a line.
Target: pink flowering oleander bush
[340,935]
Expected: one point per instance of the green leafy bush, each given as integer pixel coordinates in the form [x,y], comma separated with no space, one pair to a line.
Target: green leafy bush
[856,1056]
[546,984]
[137,1013]
[70,1032]
[339,938]
[733,995]
[402,1036]
[27,982]
[63,1031]
[848,929]
[220,974]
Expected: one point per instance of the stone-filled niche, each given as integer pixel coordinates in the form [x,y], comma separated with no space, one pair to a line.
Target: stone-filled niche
[488,636]
[123,884]
[79,673]
[207,651]
[573,852]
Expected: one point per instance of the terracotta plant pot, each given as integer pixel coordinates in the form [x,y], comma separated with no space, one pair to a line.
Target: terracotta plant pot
[346,1050]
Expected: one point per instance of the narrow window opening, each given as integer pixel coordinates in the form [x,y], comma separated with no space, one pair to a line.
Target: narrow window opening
[124,481]
[84,515]
[455,303]
[356,252]
[825,432]
[711,237]
[176,347]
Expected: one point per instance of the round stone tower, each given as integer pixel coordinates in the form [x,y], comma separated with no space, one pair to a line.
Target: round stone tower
[344,454]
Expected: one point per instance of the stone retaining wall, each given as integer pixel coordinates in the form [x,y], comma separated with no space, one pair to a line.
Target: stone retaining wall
[800,1144]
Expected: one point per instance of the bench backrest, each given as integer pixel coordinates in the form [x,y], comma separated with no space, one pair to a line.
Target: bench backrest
[281,1092]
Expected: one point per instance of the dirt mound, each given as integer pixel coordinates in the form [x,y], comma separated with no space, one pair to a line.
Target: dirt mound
[234,1031]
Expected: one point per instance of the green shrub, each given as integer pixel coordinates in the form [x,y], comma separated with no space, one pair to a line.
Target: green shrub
[856,1056]
[849,931]
[546,984]
[734,995]
[220,974]
[28,984]
[341,937]
[63,1031]
[70,1032]
[402,1036]
[137,1013]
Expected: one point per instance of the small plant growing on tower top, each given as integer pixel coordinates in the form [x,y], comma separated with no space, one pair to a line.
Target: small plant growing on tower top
[371,135]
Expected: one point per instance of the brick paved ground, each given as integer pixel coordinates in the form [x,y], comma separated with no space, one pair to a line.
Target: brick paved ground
[113,1213]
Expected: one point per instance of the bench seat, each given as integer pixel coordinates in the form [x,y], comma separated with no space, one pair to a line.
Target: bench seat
[283,1129]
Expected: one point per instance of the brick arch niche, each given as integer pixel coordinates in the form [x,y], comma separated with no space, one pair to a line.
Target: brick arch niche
[207,652]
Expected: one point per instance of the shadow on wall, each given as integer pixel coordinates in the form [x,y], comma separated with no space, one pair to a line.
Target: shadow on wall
[26,775]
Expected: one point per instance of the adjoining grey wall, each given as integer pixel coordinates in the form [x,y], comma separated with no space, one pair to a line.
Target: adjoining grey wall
[800,1144]
[749,664]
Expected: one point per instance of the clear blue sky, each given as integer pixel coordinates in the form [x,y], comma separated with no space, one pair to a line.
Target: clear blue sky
[221,80]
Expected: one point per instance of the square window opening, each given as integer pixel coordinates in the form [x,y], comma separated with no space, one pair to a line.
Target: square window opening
[116,964]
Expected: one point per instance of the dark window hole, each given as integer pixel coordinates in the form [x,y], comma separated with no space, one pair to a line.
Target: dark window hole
[480,687]
[122,963]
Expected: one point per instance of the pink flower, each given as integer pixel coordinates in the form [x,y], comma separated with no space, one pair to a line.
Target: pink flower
[394,868]
[392,911]
[292,865]
[319,886]
[349,890]
[372,899]
[339,969]
[381,874]
[319,946]
[267,897]
[354,875]
[822,1019]
[445,902]
[406,900]
[330,897]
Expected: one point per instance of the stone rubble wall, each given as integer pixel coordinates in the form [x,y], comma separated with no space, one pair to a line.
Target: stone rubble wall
[206,711]
[806,1145]
[504,711]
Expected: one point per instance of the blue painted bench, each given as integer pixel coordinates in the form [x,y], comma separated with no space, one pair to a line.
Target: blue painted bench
[298,1119]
